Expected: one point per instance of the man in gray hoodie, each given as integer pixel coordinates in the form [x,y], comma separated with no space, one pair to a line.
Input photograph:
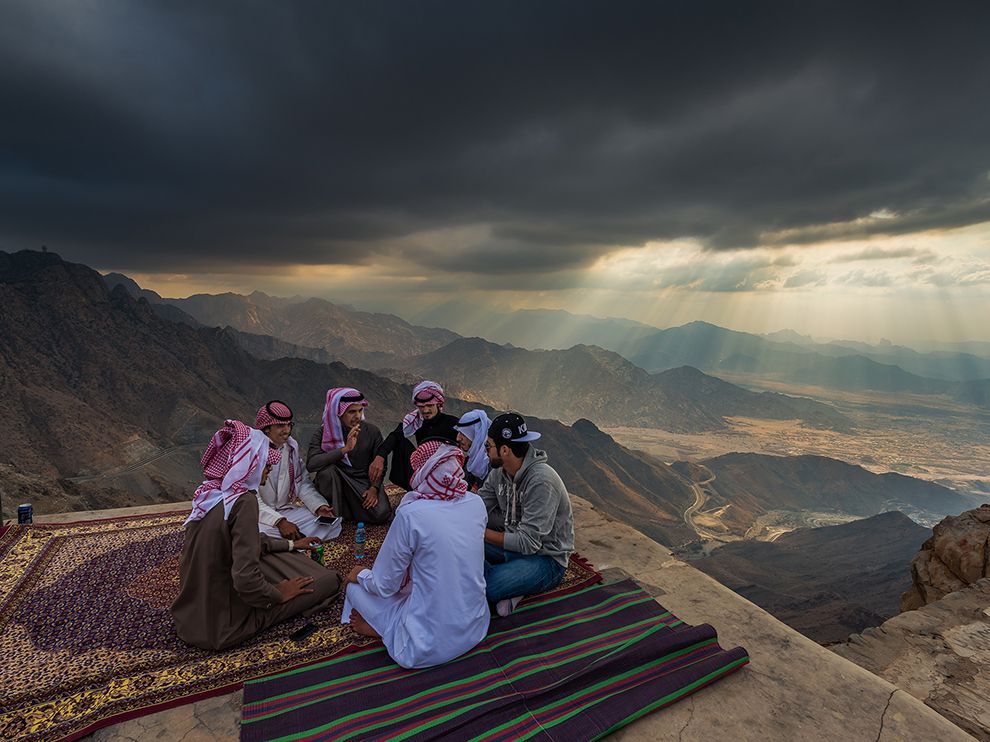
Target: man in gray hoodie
[530,532]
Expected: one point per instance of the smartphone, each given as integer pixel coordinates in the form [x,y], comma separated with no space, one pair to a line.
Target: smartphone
[328,520]
[305,631]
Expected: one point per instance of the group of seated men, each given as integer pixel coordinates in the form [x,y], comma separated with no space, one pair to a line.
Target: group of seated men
[484,522]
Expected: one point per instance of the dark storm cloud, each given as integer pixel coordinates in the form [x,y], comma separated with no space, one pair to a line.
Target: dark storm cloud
[166,136]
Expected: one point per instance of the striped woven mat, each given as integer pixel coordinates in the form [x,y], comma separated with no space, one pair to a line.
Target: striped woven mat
[572,667]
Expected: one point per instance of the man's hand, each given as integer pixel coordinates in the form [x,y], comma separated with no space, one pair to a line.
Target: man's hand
[288,589]
[306,543]
[495,538]
[288,529]
[377,470]
[324,511]
[352,576]
[370,498]
[352,436]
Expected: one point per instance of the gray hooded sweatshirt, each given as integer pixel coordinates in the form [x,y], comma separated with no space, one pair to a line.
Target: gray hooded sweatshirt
[532,508]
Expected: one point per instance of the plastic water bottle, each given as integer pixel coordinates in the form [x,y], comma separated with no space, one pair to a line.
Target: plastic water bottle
[359,542]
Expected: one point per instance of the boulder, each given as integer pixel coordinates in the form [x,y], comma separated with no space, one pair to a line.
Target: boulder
[957,555]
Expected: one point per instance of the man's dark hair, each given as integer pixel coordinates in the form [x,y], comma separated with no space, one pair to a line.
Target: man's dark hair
[519,448]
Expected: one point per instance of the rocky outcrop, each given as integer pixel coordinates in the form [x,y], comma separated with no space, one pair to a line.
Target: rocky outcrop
[938,648]
[940,654]
[957,555]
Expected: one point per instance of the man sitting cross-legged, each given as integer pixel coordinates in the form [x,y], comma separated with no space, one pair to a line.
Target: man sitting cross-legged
[530,532]
[278,513]
[425,594]
[233,580]
[340,454]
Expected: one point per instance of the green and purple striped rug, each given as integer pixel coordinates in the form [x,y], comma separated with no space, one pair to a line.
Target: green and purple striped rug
[574,667]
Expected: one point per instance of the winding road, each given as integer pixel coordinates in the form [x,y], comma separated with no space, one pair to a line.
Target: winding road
[699,500]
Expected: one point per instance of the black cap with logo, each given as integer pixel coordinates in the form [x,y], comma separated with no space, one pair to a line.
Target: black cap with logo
[510,427]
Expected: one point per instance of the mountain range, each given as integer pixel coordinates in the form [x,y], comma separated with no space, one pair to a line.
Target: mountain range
[376,340]
[359,339]
[587,381]
[535,329]
[580,382]
[712,348]
[784,355]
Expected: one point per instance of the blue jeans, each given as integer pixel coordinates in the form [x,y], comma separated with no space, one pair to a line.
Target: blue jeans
[509,573]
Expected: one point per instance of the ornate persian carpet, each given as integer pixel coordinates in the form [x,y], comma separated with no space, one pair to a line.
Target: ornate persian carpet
[87,639]
[574,667]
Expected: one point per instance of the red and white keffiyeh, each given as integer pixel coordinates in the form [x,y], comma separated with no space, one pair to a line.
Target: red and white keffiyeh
[438,472]
[425,392]
[333,432]
[232,465]
[272,413]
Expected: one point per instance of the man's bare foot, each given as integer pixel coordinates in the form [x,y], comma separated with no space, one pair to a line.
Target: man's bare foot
[361,626]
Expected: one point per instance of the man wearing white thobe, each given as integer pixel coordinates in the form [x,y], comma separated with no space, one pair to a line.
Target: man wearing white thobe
[425,594]
[289,506]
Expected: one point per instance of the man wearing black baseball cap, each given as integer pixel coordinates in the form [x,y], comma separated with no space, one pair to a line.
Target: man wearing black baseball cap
[530,533]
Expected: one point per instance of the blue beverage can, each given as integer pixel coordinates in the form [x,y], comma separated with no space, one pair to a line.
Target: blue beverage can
[25,513]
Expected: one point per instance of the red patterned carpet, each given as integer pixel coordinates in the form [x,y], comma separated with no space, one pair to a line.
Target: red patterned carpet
[87,639]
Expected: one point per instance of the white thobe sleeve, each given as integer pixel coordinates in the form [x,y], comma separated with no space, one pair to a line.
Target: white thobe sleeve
[306,490]
[392,563]
[267,515]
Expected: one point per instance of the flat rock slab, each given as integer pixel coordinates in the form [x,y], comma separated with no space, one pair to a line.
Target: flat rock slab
[939,653]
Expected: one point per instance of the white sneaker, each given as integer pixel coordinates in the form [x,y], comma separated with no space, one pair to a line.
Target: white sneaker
[506,606]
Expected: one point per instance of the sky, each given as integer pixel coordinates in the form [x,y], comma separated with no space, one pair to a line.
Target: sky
[820,166]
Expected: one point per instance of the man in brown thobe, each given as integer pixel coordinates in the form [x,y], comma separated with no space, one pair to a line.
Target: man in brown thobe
[235,581]
[340,454]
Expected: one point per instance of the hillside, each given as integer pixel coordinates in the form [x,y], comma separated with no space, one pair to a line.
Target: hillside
[586,381]
[826,582]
